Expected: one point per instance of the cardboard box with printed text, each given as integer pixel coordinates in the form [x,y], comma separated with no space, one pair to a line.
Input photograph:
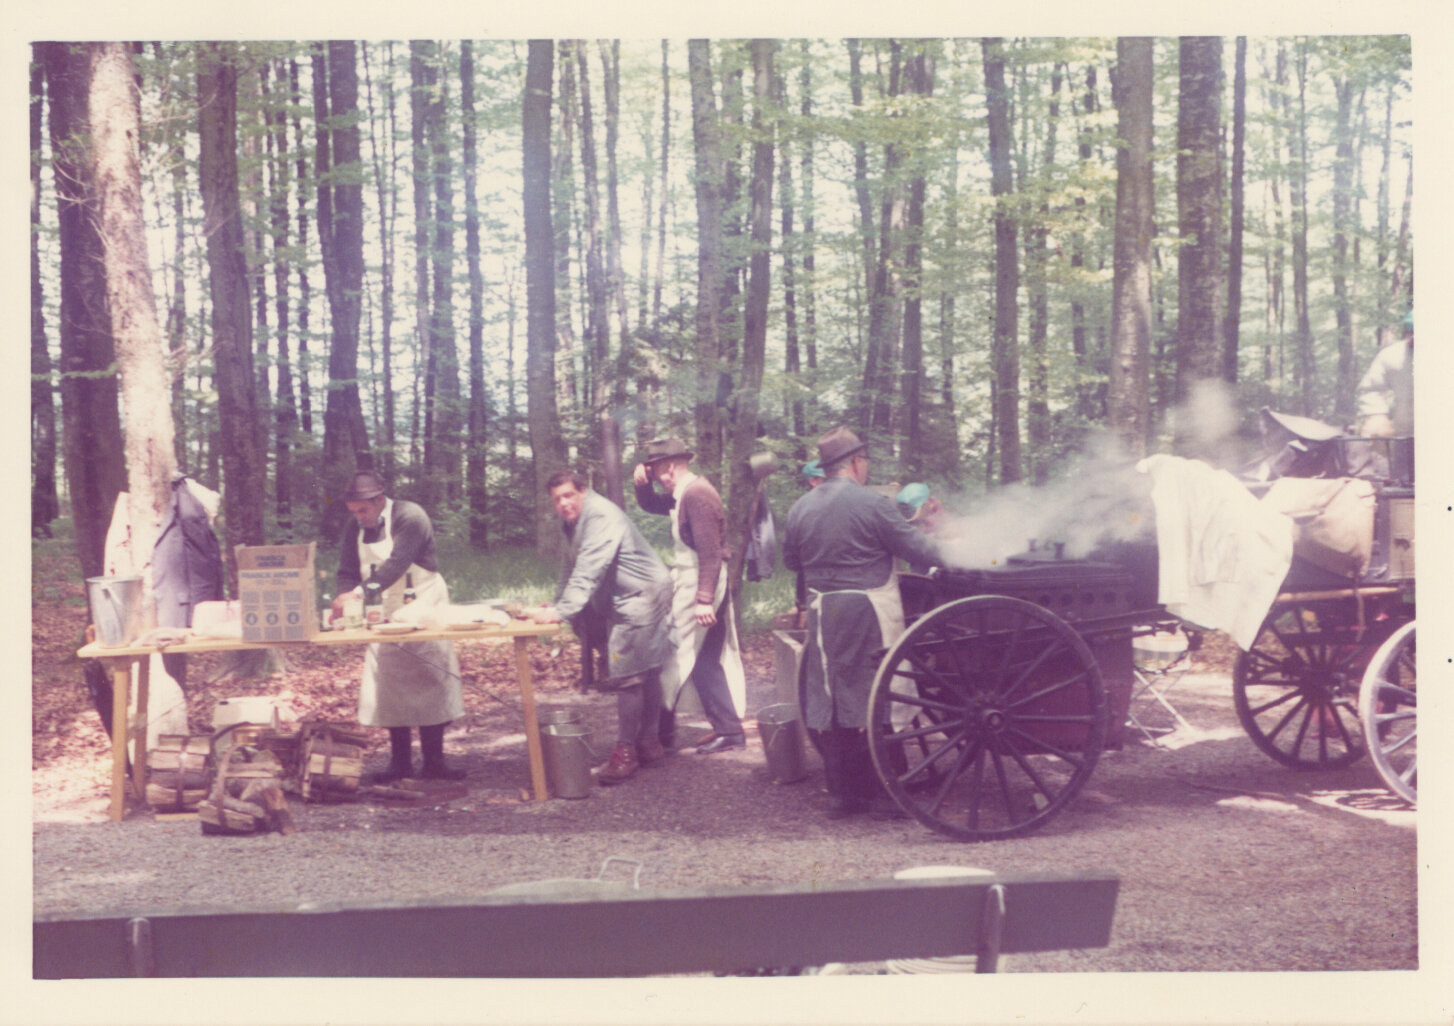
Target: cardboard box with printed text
[276,590]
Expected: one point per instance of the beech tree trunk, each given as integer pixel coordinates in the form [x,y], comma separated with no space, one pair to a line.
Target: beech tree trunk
[920,72]
[545,436]
[1005,355]
[115,161]
[1201,303]
[709,171]
[45,503]
[754,337]
[1303,332]
[91,421]
[1231,327]
[243,465]
[1128,402]
[477,447]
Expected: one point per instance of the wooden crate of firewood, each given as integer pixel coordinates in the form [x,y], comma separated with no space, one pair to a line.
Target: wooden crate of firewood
[179,772]
[247,794]
[330,762]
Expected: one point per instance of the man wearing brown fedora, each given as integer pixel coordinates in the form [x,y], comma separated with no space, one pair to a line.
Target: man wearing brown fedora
[843,538]
[405,684]
[708,656]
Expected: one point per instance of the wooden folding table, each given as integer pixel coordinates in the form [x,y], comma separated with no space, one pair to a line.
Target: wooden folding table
[135,661]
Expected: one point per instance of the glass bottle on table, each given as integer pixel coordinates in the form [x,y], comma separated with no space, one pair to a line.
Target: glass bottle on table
[373,601]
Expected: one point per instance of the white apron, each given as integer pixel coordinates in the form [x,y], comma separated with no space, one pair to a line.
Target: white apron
[414,683]
[837,695]
[691,635]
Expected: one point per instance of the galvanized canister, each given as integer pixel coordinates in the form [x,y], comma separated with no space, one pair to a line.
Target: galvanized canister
[115,609]
[782,741]
[567,759]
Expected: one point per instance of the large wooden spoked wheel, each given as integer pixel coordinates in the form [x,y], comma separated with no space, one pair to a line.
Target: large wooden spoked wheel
[1388,711]
[1296,688]
[986,717]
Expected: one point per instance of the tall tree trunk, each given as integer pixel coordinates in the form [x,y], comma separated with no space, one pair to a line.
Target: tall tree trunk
[754,337]
[1201,303]
[546,441]
[1005,351]
[45,504]
[1344,226]
[706,137]
[1037,261]
[243,465]
[384,187]
[792,357]
[886,293]
[90,418]
[597,335]
[1085,403]
[1232,324]
[615,272]
[479,398]
[345,438]
[285,412]
[563,194]
[421,83]
[151,462]
[950,459]
[805,198]
[1303,337]
[920,71]
[1128,401]
[305,287]
[860,411]
[665,184]
[445,470]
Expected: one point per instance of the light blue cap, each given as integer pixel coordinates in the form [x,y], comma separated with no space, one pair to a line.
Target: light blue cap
[914,495]
[812,470]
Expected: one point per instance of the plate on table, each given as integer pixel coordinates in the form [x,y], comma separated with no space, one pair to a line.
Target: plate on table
[394,628]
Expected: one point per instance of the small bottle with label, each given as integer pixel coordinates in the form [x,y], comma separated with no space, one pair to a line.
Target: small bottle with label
[373,601]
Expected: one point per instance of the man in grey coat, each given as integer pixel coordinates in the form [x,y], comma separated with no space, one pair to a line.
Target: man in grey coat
[842,538]
[612,578]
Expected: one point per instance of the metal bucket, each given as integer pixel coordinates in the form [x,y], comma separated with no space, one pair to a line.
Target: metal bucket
[782,740]
[556,714]
[567,759]
[115,609]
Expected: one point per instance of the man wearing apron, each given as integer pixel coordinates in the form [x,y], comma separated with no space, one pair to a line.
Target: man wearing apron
[707,655]
[405,684]
[842,538]
[611,576]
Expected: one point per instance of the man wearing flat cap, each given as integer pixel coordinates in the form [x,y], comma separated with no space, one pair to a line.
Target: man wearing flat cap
[405,684]
[842,538]
[708,656]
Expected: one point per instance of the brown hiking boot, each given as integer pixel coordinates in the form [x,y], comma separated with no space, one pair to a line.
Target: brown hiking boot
[622,764]
[650,751]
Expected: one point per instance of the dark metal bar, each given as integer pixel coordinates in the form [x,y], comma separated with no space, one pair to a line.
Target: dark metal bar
[627,934]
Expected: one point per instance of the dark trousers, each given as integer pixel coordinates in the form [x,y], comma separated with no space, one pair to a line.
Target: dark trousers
[710,681]
[847,766]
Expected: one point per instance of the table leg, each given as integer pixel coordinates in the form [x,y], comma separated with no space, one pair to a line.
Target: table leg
[141,728]
[120,699]
[532,724]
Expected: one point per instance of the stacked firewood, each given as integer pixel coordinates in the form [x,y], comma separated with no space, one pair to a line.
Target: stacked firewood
[238,778]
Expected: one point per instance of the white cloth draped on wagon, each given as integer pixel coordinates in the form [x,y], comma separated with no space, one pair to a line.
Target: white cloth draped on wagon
[1223,555]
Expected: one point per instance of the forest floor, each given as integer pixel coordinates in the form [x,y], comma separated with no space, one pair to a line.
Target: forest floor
[1227,860]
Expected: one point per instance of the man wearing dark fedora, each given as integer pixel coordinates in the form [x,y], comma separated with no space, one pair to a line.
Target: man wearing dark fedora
[405,684]
[843,538]
[708,656]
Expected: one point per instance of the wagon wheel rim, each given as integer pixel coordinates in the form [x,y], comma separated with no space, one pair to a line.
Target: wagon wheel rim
[1295,690]
[1388,713]
[987,717]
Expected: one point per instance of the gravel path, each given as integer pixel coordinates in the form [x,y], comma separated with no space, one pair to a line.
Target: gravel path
[1228,861]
